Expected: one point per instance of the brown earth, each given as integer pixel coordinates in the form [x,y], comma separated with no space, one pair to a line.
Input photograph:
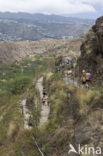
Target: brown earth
[11,51]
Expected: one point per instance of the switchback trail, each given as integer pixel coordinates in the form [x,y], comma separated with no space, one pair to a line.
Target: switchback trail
[45,109]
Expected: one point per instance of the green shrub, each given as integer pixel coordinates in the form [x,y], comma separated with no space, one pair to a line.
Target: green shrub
[37,56]
[19,84]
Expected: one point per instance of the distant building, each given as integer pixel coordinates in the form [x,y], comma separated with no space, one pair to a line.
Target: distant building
[67,37]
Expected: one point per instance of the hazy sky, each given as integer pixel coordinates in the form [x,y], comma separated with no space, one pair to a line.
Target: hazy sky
[52,6]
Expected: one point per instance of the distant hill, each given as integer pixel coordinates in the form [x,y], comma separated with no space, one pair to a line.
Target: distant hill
[25,26]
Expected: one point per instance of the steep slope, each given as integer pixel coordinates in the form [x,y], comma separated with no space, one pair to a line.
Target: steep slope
[76,114]
[92,52]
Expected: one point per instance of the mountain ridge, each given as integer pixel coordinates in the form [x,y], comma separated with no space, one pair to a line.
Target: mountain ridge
[24,26]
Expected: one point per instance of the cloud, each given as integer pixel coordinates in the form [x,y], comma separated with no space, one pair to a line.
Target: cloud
[49,6]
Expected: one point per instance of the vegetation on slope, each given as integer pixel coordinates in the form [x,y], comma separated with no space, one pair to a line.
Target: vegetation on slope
[17,80]
[73,110]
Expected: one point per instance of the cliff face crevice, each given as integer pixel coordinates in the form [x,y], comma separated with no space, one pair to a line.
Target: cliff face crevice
[91,58]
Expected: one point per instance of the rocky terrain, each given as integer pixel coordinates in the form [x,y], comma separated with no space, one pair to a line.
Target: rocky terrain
[91,59]
[92,51]
[75,115]
[11,51]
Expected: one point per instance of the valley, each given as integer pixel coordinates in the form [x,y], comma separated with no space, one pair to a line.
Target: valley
[33,27]
[16,51]
[74,114]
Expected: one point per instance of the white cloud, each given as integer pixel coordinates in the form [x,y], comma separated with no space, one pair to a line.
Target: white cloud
[88,1]
[49,6]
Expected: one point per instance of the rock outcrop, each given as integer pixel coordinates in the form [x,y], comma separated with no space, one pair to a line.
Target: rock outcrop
[92,51]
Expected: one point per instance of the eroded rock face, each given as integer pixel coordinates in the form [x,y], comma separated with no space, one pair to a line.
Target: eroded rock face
[98,30]
[91,58]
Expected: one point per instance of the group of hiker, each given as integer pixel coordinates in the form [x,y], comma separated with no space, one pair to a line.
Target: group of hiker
[45,100]
[86,77]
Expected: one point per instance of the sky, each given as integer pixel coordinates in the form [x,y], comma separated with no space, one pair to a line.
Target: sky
[64,7]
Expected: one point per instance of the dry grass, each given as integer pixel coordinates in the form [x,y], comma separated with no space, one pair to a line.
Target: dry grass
[11,129]
[11,51]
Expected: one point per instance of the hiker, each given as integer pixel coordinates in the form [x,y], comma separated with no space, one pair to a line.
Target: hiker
[69,72]
[68,61]
[30,123]
[88,76]
[44,91]
[57,69]
[83,77]
[43,100]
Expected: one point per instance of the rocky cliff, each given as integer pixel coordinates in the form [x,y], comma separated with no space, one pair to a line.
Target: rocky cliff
[92,51]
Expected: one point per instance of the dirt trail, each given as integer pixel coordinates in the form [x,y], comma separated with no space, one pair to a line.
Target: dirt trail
[25,113]
[45,109]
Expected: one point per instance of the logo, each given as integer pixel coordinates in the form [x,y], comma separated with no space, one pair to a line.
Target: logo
[72,149]
[86,150]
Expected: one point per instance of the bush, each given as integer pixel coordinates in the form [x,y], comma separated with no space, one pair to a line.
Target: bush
[19,84]
[26,61]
